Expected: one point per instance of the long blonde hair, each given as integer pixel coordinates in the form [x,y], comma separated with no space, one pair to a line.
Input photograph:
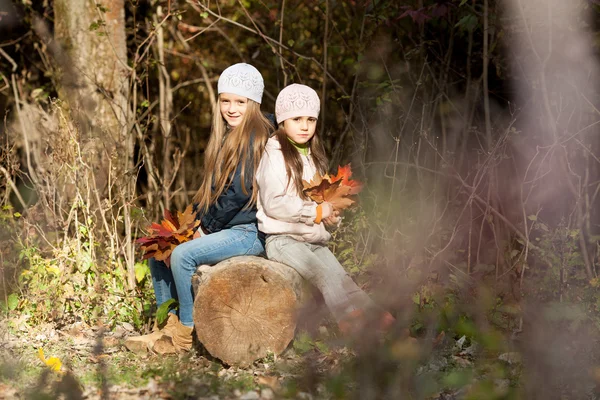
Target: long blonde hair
[227,150]
[293,163]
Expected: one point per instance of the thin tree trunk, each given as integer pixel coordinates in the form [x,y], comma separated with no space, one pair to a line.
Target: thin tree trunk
[165,108]
[324,89]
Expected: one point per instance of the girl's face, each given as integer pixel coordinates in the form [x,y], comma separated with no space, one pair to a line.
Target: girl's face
[233,108]
[300,129]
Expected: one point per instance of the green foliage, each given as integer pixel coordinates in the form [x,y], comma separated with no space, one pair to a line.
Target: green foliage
[163,310]
[102,8]
[67,283]
[303,343]
[467,23]
[351,242]
[95,25]
[457,378]
[13,302]
[141,271]
[562,263]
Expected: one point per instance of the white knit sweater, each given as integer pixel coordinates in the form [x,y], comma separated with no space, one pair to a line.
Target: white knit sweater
[280,210]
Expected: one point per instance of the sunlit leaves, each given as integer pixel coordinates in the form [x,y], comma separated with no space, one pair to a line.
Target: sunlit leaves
[339,190]
[141,271]
[53,363]
[164,237]
[13,301]
[163,310]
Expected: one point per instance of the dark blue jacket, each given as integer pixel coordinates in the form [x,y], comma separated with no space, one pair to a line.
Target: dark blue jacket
[228,210]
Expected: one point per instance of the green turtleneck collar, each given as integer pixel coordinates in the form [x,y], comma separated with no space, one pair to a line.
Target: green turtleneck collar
[302,148]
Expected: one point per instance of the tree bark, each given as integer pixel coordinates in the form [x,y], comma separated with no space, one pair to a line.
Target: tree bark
[246,307]
[94,79]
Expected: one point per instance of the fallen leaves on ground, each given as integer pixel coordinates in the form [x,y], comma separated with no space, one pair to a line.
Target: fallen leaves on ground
[53,363]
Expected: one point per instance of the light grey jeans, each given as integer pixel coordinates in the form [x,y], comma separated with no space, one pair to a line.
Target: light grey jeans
[317,264]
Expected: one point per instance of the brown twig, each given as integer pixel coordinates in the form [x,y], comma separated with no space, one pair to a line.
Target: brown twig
[324,88]
[281,19]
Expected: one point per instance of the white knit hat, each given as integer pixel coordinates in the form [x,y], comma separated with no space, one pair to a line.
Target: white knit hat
[242,79]
[297,101]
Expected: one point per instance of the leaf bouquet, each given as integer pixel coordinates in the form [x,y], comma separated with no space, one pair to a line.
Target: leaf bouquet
[339,190]
[172,231]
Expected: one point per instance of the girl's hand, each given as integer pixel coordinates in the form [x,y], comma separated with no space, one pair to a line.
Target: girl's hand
[326,210]
[333,220]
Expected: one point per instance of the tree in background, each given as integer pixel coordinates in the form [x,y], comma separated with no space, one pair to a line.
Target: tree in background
[94,80]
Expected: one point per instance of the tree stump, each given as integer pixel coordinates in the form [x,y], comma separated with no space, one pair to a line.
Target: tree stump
[245,307]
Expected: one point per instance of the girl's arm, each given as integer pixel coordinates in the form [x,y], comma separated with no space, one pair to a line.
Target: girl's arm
[272,189]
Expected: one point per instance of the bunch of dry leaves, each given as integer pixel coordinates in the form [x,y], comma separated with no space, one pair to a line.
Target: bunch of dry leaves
[339,190]
[164,237]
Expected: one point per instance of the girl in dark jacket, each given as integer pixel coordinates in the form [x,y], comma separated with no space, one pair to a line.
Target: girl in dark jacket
[225,202]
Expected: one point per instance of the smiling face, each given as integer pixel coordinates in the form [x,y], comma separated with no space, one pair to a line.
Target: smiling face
[300,129]
[233,108]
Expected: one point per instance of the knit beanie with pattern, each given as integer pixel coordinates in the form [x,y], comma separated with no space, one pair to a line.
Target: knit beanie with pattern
[297,101]
[243,80]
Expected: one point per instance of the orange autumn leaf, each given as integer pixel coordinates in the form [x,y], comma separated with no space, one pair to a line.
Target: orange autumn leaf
[168,225]
[339,197]
[344,174]
[315,181]
[316,191]
[186,220]
[172,231]
[169,217]
[339,190]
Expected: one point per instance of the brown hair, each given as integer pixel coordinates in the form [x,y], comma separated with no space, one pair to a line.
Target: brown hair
[225,152]
[293,162]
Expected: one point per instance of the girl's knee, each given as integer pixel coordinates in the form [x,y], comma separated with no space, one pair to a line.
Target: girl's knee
[274,252]
[180,259]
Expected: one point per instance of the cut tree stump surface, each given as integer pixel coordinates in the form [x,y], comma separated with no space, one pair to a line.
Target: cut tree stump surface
[245,307]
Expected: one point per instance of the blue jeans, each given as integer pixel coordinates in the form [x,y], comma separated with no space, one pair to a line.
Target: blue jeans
[176,282]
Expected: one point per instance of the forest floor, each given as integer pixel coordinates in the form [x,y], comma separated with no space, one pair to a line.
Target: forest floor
[95,365]
[553,355]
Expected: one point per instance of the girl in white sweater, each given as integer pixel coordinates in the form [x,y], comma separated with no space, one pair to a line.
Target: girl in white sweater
[296,226]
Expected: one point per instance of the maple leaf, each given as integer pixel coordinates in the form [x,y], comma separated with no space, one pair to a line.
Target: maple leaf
[337,190]
[344,174]
[315,181]
[339,196]
[169,217]
[172,231]
[317,191]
